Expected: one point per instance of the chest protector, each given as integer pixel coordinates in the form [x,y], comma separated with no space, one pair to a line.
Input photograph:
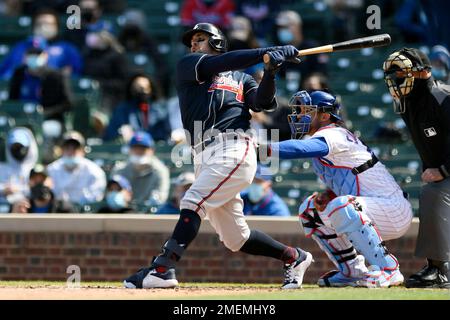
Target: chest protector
[339,179]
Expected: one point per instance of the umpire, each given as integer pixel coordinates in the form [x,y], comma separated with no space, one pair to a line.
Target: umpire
[424,105]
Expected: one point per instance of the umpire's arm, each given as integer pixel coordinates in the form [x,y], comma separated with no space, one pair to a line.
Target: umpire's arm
[444,169]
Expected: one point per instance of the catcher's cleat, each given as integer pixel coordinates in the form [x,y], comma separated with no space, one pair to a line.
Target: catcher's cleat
[377,278]
[147,278]
[294,272]
[335,278]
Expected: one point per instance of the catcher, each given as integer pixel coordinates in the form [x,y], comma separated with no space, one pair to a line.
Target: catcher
[363,204]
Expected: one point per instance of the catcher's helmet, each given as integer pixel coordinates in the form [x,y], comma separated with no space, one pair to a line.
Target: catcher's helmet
[401,68]
[217,39]
[305,106]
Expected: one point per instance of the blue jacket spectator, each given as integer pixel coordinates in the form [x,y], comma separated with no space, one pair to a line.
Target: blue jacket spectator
[141,110]
[91,21]
[182,183]
[35,82]
[61,54]
[260,199]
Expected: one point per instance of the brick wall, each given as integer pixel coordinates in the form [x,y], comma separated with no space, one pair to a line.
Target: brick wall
[112,255]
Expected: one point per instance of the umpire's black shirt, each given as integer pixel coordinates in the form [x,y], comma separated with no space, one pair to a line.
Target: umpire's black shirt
[427,117]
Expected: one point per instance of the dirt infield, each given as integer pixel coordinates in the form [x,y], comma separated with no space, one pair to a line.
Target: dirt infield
[60,292]
[40,290]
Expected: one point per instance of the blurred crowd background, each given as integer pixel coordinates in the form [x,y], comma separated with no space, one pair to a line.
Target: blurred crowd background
[89,117]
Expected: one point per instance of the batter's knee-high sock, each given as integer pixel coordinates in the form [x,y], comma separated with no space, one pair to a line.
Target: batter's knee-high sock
[187,227]
[262,244]
[185,231]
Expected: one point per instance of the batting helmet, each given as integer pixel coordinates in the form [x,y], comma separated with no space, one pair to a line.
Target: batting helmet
[217,39]
[305,106]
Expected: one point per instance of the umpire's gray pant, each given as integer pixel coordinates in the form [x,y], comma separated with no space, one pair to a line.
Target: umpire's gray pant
[433,241]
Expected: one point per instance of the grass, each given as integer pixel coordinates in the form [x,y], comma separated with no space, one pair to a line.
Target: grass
[225,291]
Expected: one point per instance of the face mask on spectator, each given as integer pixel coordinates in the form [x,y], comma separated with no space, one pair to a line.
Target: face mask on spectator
[139,160]
[115,200]
[88,15]
[34,62]
[285,35]
[439,73]
[94,41]
[255,192]
[71,162]
[18,151]
[46,31]
[140,95]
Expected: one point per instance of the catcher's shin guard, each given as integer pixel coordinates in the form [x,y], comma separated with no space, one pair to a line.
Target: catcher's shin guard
[338,249]
[347,217]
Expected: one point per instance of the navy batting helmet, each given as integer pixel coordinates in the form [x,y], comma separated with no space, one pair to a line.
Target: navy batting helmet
[305,106]
[217,39]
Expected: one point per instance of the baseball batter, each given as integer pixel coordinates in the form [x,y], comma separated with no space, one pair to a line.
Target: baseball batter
[363,203]
[215,102]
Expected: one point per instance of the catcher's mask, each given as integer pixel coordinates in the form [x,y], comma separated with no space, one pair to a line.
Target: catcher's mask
[304,108]
[401,68]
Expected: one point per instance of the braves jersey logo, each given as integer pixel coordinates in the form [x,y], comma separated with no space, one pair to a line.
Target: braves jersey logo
[228,84]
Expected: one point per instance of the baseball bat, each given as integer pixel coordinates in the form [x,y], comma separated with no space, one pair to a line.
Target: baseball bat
[359,43]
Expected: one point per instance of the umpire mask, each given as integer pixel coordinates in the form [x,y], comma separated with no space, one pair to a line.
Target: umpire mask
[401,70]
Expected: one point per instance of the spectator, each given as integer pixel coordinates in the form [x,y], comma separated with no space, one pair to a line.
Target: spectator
[260,199]
[75,178]
[412,22]
[346,18]
[118,196]
[217,12]
[240,34]
[315,81]
[148,176]
[142,111]
[21,156]
[62,55]
[182,184]
[440,63]
[104,60]
[261,14]
[11,8]
[289,31]
[39,175]
[36,82]
[91,21]
[42,200]
[135,39]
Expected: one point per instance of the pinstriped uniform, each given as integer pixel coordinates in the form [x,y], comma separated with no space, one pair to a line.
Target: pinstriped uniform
[380,196]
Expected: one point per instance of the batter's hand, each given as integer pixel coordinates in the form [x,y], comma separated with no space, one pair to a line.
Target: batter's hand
[432,175]
[275,62]
[289,52]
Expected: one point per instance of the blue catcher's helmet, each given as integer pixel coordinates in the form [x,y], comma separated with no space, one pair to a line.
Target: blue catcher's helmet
[305,106]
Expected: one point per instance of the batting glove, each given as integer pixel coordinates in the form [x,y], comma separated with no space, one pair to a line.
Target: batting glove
[275,62]
[289,52]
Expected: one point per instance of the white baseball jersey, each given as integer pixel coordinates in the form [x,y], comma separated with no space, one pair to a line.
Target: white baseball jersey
[379,194]
[346,150]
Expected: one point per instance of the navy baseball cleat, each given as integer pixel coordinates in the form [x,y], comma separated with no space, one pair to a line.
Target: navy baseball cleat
[294,272]
[152,277]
